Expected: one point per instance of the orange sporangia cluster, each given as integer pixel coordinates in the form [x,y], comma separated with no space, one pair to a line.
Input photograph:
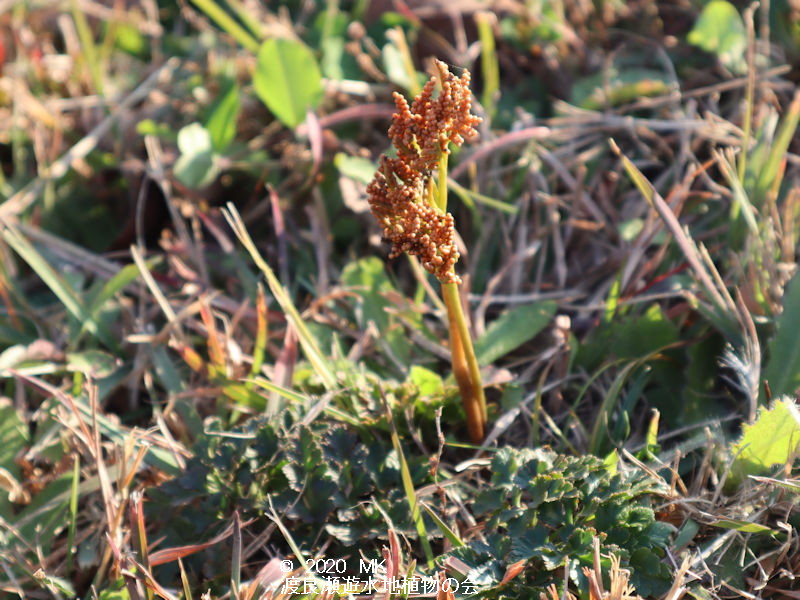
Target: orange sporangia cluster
[399,195]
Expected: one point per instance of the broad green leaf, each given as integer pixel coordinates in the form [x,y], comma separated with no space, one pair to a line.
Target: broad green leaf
[428,383]
[720,30]
[165,370]
[367,277]
[395,68]
[221,124]
[629,229]
[512,329]
[686,533]
[13,356]
[782,372]
[639,335]
[287,79]
[772,440]
[332,53]
[194,139]
[197,166]
[355,167]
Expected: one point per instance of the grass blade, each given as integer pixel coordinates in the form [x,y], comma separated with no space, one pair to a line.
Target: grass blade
[448,533]
[53,280]
[490,67]
[783,369]
[321,365]
[777,152]
[236,556]
[187,589]
[408,487]
[719,296]
[227,23]
[73,511]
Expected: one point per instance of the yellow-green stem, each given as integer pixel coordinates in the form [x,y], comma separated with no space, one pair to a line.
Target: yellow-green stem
[441,196]
[465,364]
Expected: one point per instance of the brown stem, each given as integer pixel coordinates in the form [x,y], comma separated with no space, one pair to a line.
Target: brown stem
[471,388]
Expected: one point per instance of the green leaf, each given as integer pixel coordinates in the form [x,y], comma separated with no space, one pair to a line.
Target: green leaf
[639,335]
[13,438]
[129,39]
[332,53]
[244,396]
[686,533]
[395,68]
[512,329]
[782,372]
[428,383]
[56,584]
[287,79]
[355,167]
[772,440]
[617,86]
[451,535]
[221,124]
[367,277]
[720,30]
[197,166]
[92,362]
[770,175]
[288,394]
[650,576]
[743,526]
[469,198]
[71,298]
[126,275]
[150,127]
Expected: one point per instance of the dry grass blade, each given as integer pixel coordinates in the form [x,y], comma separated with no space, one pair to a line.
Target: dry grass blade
[322,366]
[139,533]
[704,270]
[158,295]
[168,555]
[28,194]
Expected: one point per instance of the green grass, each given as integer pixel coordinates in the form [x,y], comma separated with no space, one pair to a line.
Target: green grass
[208,366]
